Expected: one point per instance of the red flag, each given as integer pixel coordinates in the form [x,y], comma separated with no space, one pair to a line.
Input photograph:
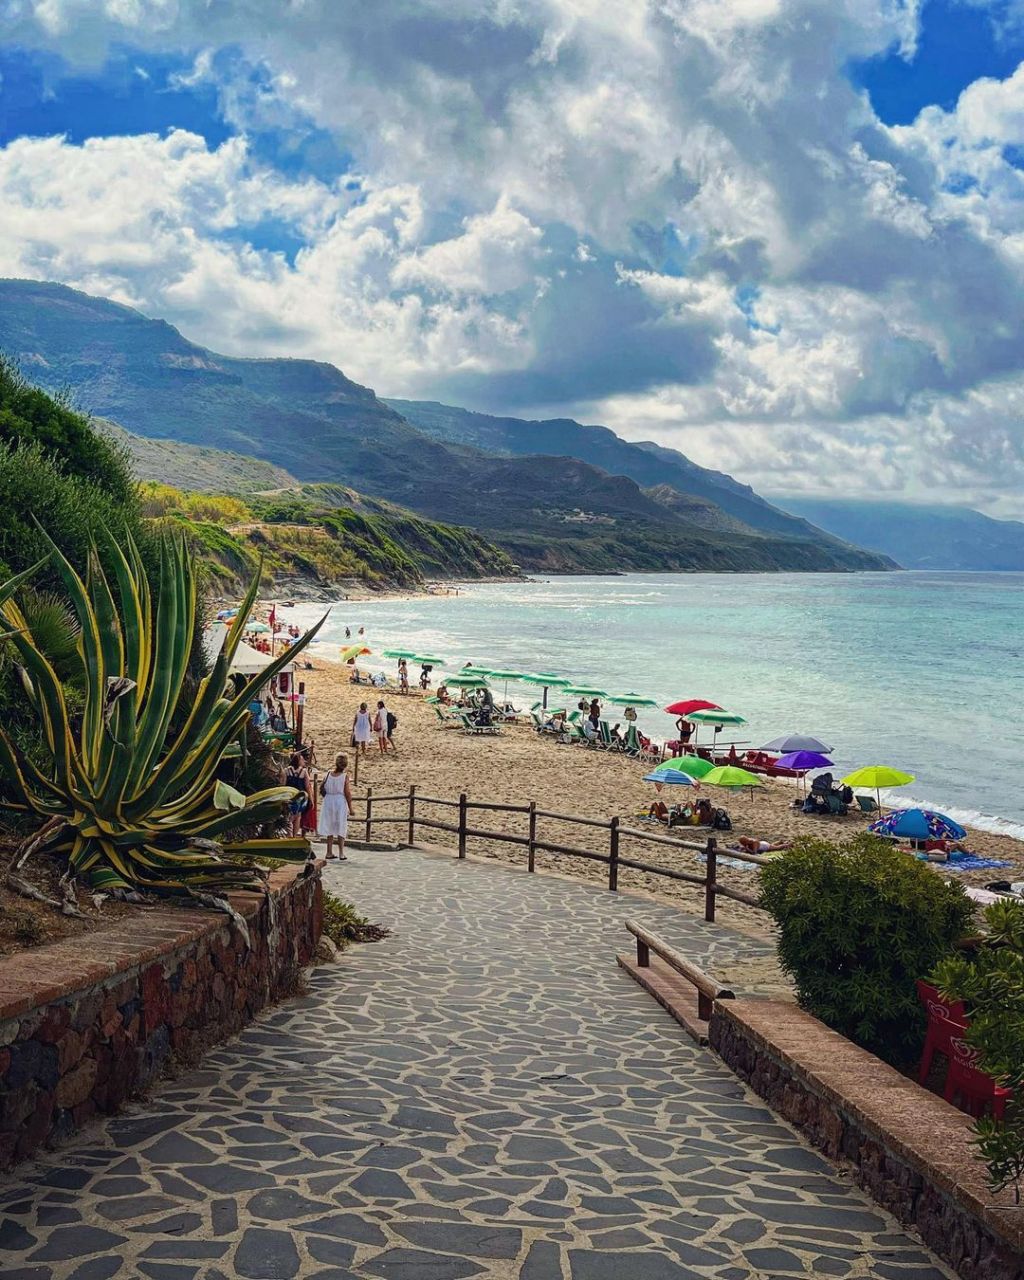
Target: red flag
[273,615]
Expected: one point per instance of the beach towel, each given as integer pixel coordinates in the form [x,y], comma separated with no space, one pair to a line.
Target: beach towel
[972,862]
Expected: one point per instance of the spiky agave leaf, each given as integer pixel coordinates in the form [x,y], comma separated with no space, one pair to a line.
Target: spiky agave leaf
[139,810]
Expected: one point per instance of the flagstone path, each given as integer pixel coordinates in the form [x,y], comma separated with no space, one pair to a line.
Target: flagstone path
[484,1094]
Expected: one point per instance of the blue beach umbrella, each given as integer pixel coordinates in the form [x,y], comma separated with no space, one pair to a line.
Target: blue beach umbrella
[670,778]
[918,824]
[803,760]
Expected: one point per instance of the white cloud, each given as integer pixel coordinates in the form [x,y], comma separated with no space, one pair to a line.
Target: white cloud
[677,214]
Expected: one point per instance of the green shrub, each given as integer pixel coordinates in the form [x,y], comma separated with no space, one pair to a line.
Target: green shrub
[344,925]
[858,925]
[991,985]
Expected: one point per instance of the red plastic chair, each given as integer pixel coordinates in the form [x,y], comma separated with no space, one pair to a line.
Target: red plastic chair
[946,1020]
[976,1089]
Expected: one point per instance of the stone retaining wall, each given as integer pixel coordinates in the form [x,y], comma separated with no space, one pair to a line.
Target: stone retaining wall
[907,1147]
[87,1023]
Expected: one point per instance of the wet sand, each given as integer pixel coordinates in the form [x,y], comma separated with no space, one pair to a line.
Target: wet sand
[522,765]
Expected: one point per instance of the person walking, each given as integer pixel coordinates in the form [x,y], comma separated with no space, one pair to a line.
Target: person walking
[336,792]
[403,676]
[392,720]
[297,776]
[362,731]
[380,727]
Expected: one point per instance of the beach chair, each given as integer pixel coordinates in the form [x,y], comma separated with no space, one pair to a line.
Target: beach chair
[947,1021]
[868,804]
[604,736]
[467,725]
[633,746]
[448,719]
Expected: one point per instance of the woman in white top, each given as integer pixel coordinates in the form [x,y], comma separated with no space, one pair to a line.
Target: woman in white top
[362,731]
[337,804]
[380,727]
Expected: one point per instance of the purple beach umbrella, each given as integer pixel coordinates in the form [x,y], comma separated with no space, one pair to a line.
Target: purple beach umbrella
[804,760]
[918,824]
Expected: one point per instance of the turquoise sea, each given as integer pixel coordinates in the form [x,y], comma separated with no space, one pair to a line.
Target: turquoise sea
[918,670]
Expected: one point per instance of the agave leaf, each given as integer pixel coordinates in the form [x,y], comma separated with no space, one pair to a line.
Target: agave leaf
[225,797]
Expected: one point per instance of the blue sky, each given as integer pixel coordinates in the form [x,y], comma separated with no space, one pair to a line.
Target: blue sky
[735,228]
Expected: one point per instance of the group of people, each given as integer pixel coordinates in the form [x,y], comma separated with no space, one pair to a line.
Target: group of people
[335,791]
[379,724]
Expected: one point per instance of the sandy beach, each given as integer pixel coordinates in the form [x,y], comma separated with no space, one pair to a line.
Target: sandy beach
[522,765]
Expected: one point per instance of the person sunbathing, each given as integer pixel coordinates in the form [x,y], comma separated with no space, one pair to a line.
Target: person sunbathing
[749,845]
[659,811]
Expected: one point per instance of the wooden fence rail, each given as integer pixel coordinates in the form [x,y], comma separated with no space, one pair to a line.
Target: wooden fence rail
[410,814]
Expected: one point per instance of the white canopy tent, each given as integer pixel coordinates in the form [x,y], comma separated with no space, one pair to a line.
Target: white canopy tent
[248,661]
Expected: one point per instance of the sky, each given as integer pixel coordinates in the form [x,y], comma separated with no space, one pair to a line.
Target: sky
[783,236]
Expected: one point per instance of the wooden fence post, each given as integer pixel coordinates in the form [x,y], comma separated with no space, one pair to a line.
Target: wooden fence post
[531,847]
[643,954]
[369,812]
[613,855]
[412,814]
[462,825]
[710,879]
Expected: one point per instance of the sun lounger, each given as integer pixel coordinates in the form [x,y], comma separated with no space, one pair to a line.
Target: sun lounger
[867,804]
[633,747]
[467,725]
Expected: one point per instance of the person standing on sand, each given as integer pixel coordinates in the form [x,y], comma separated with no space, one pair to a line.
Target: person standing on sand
[403,676]
[380,727]
[362,732]
[297,776]
[337,805]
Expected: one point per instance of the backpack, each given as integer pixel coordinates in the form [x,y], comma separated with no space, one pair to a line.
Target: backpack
[392,721]
[722,821]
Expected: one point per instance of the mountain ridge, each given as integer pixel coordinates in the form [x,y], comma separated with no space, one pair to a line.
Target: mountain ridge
[550,510]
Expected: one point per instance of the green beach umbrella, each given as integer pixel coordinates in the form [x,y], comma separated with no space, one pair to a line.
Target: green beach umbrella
[546,679]
[398,653]
[876,776]
[728,775]
[581,691]
[474,670]
[426,662]
[631,700]
[716,716]
[695,766]
[464,681]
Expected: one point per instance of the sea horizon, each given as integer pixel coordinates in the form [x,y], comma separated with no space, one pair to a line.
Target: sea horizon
[911,668]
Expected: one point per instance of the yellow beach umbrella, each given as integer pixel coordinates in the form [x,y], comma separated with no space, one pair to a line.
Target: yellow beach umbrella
[876,776]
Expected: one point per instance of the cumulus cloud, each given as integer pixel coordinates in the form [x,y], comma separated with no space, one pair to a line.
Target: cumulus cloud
[678,216]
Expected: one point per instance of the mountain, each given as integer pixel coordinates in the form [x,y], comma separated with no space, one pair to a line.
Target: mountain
[650,465]
[552,512]
[922,537]
[197,467]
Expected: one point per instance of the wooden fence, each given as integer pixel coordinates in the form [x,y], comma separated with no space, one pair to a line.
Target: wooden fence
[415,808]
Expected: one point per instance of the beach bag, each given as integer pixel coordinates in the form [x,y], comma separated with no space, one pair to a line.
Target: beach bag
[392,721]
[722,821]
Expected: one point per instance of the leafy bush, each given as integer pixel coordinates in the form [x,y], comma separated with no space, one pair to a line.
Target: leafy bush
[344,925]
[858,925]
[991,985]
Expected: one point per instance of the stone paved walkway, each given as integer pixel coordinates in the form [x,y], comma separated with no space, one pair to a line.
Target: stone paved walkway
[484,1094]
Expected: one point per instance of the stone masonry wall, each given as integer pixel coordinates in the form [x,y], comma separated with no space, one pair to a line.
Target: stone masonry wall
[87,1023]
[908,1148]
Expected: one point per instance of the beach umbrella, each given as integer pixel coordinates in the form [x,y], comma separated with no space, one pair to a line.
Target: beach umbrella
[546,679]
[716,716]
[582,691]
[259,628]
[470,669]
[463,681]
[876,776]
[688,706]
[630,700]
[918,824]
[426,662]
[728,775]
[353,651]
[399,653]
[695,766]
[669,777]
[803,761]
[796,742]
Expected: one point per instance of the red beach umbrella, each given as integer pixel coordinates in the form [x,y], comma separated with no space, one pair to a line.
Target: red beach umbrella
[689,707]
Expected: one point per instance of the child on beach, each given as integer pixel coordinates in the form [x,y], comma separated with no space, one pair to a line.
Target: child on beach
[362,732]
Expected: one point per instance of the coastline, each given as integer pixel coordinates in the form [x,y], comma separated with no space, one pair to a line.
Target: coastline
[521,765]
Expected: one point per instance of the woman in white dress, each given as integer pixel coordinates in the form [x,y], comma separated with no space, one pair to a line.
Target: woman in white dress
[362,730]
[337,805]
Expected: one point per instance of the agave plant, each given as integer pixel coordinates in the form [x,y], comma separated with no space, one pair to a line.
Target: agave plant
[134,805]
